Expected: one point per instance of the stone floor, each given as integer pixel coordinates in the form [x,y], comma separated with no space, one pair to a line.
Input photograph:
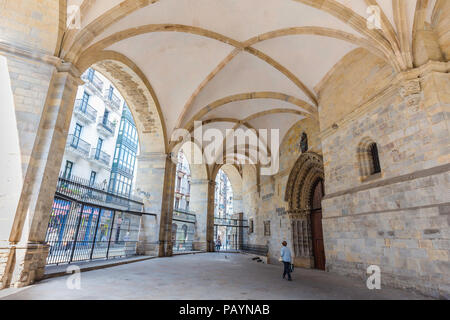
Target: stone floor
[204,276]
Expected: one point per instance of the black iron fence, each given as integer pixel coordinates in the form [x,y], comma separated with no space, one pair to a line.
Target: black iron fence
[82,227]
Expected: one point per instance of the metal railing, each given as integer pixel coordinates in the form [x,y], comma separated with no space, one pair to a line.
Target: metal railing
[79,232]
[94,80]
[78,189]
[79,145]
[85,109]
[112,99]
[183,215]
[104,123]
[182,245]
[100,156]
[254,248]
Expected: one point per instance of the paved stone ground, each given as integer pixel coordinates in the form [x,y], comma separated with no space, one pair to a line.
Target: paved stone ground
[205,276]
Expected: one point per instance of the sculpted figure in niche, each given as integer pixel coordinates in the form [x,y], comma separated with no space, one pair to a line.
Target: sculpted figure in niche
[304,143]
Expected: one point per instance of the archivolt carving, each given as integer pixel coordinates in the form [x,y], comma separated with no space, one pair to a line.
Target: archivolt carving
[306,171]
[304,175]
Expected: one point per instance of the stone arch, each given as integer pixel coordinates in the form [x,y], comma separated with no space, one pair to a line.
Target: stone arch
[304,177]
[235,177]
[139,94]
[307,169]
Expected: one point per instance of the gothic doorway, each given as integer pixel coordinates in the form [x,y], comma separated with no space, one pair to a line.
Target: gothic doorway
[304,193]
[316,225]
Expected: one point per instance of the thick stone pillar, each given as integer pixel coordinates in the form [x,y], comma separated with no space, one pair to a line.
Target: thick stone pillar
[150,173]
[43,91]
[165,227]
[199,205]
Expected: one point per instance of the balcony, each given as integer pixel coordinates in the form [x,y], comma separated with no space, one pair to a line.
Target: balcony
[105,127]
[100,157]
[93,82]
[183,215]
[112,100]
[84,112]
[77,146]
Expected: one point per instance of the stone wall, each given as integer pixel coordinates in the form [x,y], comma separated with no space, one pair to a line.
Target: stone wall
[263,198]
[399,219]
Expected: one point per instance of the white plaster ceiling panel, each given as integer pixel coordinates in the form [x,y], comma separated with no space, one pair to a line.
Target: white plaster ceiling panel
[359,6]
[238,19]
[245,73]
[97,8]
[243,109]
[175,64]
[282,121]
[309,57]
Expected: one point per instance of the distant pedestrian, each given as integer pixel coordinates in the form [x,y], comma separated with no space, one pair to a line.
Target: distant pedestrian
[218,244]
[287,260]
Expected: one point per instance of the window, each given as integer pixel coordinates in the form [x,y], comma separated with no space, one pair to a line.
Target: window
[368,158]
[68,169]
[177,203]
[250,227]
[85,101]
[266,228]
[99,144]
[373,149]
[76,135]
[92,179]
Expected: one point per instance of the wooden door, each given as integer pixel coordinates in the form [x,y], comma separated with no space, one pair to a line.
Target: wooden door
[316,226]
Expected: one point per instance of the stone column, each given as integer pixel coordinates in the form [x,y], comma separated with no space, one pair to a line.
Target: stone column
[210,217]
[165,227]
[150,174]
[44,90]
[199,205]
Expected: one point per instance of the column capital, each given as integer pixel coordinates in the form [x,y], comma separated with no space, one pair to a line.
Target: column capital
[71,69]
[28,53]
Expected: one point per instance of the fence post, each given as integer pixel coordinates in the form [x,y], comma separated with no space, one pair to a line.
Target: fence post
[110,234]
[95,233]
[76,233]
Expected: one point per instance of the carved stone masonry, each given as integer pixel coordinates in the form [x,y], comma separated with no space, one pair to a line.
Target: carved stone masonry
[411,93]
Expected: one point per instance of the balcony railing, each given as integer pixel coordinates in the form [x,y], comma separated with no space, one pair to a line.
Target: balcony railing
[183,215]
[105,126]
[85,110]
[93,81]
[101,157]
[82,190]
[78,145]
[112,99]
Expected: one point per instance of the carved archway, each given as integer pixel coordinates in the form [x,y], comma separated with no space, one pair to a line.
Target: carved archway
[302,182]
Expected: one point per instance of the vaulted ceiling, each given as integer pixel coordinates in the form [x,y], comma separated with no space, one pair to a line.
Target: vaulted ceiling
[241,62]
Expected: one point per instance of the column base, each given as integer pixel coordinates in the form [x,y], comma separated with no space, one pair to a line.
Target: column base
[22,265]
[199,246]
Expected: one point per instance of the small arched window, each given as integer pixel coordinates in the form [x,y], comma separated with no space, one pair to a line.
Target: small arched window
[373,149]
[368,158]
